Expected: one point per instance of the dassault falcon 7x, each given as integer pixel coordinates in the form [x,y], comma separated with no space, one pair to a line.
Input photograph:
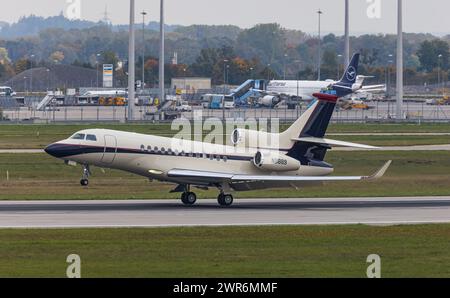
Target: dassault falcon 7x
[297,159]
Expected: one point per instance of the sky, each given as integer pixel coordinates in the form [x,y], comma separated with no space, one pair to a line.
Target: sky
[367,16]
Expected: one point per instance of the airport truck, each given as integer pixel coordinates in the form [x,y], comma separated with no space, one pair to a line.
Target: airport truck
[215,101]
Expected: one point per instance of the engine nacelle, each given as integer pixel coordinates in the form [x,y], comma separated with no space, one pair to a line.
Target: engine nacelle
[254,139]
[269,100]
[275,162]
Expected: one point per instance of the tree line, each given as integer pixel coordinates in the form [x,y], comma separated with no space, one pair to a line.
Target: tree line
[227,54]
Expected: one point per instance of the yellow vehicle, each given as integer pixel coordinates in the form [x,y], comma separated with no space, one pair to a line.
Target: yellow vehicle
[120,101]
[112,101]
[102,101]
[360,106]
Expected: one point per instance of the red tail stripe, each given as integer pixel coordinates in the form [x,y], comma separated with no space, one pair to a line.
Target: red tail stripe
[326,97]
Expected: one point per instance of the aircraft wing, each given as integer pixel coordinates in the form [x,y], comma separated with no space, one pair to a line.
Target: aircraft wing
[215,177]
[372,88]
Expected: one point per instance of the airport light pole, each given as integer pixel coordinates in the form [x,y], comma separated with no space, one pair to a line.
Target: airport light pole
[388,84]
[439,71]
[31,73]
[97,64]
[399,109]
[143,13]
[388,75]
[161,54]
[284,66]
[339,66]
[48,79]
[225,65]
[347,34]
[319,13]
[131,62]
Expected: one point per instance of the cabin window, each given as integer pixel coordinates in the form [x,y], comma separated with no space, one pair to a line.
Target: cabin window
[78,136]
[91,138]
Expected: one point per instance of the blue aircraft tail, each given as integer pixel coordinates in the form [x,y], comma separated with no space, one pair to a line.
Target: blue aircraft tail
[344,86]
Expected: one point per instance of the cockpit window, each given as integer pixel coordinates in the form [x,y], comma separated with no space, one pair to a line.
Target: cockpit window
[91,138]
[78,136]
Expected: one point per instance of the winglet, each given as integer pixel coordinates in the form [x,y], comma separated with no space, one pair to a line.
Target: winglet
[380,173]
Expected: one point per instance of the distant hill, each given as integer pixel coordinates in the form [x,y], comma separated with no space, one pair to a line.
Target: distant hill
[32,25]
[58,76]
[3,24]
[200,32]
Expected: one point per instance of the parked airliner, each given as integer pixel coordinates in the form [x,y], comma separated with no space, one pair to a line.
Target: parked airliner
[277,90]
[297,159]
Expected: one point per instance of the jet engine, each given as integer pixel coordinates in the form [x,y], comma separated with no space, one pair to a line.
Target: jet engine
[254,138]
[269,100]
[275,162]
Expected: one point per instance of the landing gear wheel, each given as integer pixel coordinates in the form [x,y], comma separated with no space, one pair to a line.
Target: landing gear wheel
[85,178]
[225,200]
[189,198]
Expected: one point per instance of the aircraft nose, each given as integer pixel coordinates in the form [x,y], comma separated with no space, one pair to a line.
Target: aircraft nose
[56,150]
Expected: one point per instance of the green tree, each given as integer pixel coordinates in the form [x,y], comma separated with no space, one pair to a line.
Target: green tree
[429,53]
[21,65]
[329,64]
[109,57]
[266,42]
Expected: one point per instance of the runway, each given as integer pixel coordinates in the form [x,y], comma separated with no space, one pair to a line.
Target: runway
[248,212]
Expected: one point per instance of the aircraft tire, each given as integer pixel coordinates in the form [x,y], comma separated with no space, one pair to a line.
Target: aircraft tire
[225,200]
[189,198]
[84,182]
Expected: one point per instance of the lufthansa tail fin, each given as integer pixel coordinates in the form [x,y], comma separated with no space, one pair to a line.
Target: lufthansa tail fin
[351,73]
[345,86]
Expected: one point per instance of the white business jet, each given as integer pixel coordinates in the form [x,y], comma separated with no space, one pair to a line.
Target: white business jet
[295,160]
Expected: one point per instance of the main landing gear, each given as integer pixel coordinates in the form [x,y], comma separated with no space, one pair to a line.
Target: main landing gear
[86,173]
[225,200]
[190,198]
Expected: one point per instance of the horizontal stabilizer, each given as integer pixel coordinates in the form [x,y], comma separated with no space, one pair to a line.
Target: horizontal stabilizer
[333,143]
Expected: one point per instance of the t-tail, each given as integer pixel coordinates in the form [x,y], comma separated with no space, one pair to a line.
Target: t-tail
[346,85]
[305,139]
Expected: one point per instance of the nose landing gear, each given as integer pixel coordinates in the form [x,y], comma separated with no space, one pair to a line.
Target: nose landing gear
[86,173]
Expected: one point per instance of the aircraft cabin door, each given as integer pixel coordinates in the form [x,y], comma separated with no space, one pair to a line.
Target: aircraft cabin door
[109,154]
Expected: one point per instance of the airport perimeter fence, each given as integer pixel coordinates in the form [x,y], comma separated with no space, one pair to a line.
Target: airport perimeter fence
[381,112]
